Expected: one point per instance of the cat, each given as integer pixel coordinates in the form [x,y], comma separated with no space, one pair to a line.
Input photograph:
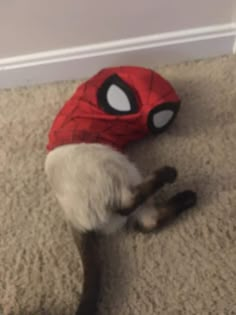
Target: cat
[97,186]
[101,191]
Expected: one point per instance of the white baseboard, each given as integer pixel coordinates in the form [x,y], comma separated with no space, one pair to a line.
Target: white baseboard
[81,62]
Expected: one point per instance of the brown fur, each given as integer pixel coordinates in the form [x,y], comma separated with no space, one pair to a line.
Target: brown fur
[165,214]
[148,187]
[88,245]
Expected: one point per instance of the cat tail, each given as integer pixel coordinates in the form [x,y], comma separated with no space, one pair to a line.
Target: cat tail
[88,245]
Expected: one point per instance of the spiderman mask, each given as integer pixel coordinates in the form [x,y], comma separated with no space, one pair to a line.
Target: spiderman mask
[114,107]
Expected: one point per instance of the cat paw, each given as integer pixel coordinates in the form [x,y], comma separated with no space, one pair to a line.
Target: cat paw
[167,174]
[183,201]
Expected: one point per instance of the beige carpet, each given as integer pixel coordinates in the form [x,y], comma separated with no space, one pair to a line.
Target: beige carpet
[189,268]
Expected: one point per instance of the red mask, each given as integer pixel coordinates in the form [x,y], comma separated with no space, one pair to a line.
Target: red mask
[116,106]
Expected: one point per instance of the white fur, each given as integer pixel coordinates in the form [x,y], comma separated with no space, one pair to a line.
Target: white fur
[91,181]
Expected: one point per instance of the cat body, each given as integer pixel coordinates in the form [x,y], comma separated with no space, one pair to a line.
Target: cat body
[90,182]
[99,189]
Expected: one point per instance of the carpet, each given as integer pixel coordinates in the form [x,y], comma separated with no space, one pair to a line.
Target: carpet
[188,268]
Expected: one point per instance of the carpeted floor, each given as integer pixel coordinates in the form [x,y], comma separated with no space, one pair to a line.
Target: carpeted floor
[187,269]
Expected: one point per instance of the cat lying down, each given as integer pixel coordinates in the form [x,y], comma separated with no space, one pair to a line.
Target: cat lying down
[99,189]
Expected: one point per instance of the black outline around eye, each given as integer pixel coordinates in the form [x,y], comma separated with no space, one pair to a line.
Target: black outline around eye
[166,106]
[102,96]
